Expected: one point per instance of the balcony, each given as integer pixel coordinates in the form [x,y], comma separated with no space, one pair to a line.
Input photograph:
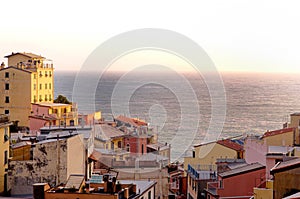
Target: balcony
[69,115]
[212,187]
[203,172]
[4,118]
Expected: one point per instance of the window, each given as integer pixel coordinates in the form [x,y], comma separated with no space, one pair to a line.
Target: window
[149,194]
[50,75]
[221,184]
[6,112]
[34,99]
[41,74]
[6,74]
[6,134]
[49,85]
[142,149]
[46,74]
[6,99]
[119,144]
[127,147]
[112,146]
[6,86]
[45,86]
[46,98]
[34,76]
[50,97]
[5,157]
[40,86]
[40,98]
[34,86]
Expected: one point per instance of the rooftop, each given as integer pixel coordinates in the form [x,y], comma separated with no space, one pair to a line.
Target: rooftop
[230,144]
[294,196]
[30,55]
[241,170]
[142,185]
[132,121]
[15,68]
[152,157]
[295,114]
[106,131]
[49,104]
[277,132]
[286,165]
[21,144]
[158,146]
[278,150]
[74,181]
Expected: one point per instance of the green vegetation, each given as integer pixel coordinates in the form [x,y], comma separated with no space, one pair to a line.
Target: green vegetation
[62,99]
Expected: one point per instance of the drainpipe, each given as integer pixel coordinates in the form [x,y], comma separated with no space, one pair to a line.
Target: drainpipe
[58,161]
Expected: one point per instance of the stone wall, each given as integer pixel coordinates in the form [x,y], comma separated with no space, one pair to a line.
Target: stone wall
[49,165]
[160,176]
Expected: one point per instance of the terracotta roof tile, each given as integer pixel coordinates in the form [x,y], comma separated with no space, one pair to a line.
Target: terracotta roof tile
[230,144]
[132,121]
[277,132]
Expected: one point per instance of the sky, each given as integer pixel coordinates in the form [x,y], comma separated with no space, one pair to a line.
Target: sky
[251,36]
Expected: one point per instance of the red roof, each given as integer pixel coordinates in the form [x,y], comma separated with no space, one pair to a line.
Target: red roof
[230,144]
[132,121]
[277,132]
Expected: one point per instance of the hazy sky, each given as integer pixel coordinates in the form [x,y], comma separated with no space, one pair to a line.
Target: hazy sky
[238,35]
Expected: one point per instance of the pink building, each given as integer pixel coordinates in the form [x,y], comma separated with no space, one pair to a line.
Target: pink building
[237,183]
[52,114]
[255,150]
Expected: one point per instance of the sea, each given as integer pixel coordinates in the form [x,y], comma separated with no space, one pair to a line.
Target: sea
[182,109]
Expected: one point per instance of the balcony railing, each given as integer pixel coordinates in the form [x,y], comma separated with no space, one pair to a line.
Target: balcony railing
[4,118]
[69,115]
[203,172]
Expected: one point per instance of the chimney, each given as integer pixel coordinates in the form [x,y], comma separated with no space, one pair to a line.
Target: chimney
[126,193]
[2,65]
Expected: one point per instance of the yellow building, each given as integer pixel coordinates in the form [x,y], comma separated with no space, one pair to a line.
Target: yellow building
[4,152]
[52,114]
[208,153]
[108,137]
[295,123]
[22,151]
[264,193]
[27,79]
[281,137]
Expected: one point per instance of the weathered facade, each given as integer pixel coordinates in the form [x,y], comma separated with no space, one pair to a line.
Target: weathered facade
[286,178]
[160,176]
[53,161]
